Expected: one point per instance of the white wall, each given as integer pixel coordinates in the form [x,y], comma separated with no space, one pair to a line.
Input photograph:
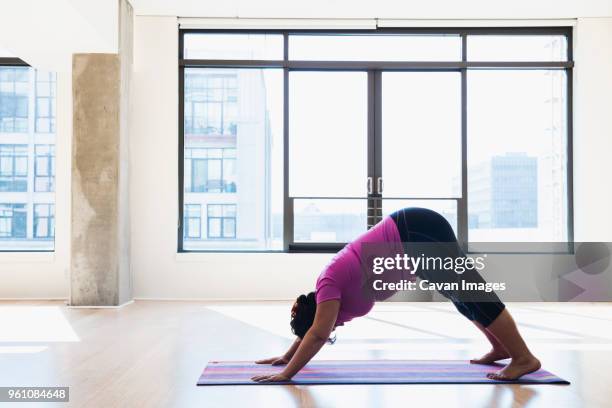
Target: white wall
[432,9]
[159,272]
[593,130]
[45,34]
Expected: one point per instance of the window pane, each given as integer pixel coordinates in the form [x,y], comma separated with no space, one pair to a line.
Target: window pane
[447,208]
[234,156]
[328,134]
[209,108]
[517,156]
[516,48]
[27,220]
[328,220]
[229,228]
[234,46]
[393,47]
[421,134]
[193,229]
[199,177]
[214,228]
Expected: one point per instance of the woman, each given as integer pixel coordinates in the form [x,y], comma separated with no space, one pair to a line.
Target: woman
[340,297]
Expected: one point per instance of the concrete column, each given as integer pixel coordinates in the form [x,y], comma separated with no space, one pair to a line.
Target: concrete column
[100,256]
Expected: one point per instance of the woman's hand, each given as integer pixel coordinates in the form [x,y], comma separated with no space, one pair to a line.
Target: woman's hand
[275,361]
[280,377]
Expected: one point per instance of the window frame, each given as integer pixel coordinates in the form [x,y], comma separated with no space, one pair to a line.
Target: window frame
[374,70]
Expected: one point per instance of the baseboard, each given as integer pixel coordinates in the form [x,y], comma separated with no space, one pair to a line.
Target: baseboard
[163,299]
[129,302]
[33,298]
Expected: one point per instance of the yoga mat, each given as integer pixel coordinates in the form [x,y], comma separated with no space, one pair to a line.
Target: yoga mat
[370,372]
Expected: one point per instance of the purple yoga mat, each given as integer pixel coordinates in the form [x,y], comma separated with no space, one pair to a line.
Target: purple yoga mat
[370,372]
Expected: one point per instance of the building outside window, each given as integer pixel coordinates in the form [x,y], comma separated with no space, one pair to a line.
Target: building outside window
[14,99]
[13,168]
[45,102]
[44,168]
[27,158]
[44,221]
[211,103]
[193,221]
[13,220]
[210,170]
[221,221]
[232,133]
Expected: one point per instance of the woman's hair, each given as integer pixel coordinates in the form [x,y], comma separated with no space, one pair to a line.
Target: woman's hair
[303,313]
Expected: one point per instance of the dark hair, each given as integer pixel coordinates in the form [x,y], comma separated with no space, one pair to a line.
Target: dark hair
[303,314]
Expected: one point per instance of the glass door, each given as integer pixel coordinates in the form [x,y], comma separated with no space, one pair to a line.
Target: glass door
[419,158]
[328,155]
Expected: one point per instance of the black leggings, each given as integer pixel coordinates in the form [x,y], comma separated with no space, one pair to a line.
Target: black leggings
[420,225]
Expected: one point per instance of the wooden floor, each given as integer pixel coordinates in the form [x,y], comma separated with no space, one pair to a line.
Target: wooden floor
[150,354]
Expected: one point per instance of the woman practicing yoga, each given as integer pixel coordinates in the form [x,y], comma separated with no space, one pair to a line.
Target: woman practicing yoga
[340,297]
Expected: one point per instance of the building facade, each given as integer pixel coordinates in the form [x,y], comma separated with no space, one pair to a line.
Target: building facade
[27,158]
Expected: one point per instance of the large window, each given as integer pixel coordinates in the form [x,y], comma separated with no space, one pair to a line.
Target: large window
[314,136]
[27,157]
[232,174]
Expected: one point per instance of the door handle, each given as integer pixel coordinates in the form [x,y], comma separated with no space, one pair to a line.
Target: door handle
[369,185]
[379,185]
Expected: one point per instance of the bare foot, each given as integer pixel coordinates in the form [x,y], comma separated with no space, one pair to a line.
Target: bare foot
[491,357]
[517,368]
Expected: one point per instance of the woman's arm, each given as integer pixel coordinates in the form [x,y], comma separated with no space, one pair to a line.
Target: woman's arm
[284,359]
[315,338]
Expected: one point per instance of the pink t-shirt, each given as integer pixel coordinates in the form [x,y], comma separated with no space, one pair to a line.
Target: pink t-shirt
[343,278]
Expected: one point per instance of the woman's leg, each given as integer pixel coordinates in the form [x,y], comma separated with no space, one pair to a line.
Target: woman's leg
[498,351]
[523,361]
[485,309]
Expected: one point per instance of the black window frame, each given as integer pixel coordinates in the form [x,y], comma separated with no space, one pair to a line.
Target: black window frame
[374,70]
